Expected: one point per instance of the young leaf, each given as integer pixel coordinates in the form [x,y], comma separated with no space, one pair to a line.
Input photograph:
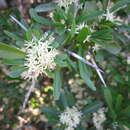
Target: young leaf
[82,35]
[9,52]
[57,84]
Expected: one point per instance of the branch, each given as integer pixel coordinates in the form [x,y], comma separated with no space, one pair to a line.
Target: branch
[100,75]
[82,59]
[20,24]
[27,96]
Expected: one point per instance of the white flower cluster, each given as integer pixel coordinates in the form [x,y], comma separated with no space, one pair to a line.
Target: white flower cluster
[71,118]
[65,3]
[40,56]
[98,118]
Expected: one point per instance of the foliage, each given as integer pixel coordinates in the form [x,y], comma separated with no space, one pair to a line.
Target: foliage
[86,35]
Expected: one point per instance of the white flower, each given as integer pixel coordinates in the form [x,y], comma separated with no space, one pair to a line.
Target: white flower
[110,16]
[40,56]
[62,21]
[65,3]
[80,27]
[87,39]
[98,118]
[71,118]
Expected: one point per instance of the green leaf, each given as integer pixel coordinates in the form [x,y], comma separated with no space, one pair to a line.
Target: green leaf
[126,111]
[9,52]
[45,7]
[90,6]
[59,41]
[57,84]
[120,37]
[108,98]
[20,44]
[70,98]
[82,35]
[51,111]
[61,61]
[39,19]
[12,35]
[92,107]
[102,34]
[62,56]
[62,102]
[119,4]
[51,114]
[110,46]
[72,31]
[87,17]
[126,124]
[29,35]
[57,128]
[119,101]
[85,75]
[13,62]
[71,63]
[59,14]
[16,73]
[100,55]
[105,4]
[37,33]
[113,48]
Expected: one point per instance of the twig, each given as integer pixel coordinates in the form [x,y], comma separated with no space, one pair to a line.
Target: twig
[28,95]
[82,59]
[100,75]
[19,23]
